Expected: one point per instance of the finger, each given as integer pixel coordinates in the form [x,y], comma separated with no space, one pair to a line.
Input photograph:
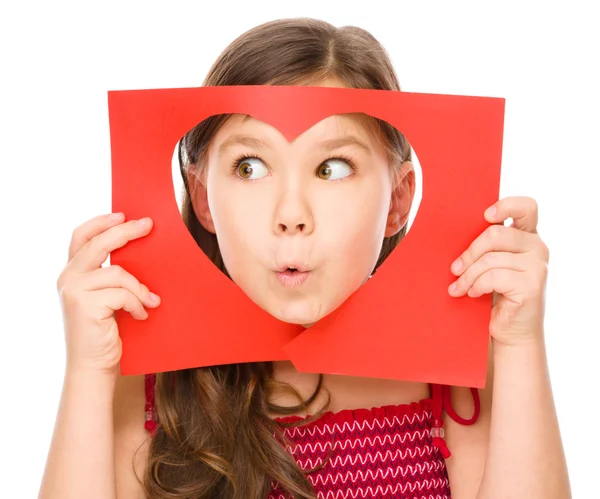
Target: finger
[518,262]
[97,249]
[121,299]
[502,281]
[523,210]
[91,228]
[495,238]
[115,276]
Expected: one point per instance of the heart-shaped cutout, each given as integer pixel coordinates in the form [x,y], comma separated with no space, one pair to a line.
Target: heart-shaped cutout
[402,324]
[313,206]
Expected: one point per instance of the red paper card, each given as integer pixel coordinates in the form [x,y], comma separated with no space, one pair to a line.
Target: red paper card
[401,324]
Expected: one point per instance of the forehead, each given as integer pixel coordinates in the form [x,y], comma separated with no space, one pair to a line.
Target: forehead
[355,124]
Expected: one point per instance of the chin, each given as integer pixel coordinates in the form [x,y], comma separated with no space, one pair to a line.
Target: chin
[298,313]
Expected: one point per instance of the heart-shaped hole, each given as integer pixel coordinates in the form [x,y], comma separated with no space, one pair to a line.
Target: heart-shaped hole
[296,224]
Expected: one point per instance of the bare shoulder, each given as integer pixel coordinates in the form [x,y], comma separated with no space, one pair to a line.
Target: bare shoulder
[469,444]
[131,438]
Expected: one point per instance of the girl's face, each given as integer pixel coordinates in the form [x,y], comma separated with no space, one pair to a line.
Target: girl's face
[300,224]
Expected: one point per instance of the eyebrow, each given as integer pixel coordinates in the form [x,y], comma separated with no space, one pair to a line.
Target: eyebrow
[241,140]
[254,143]
[349,140]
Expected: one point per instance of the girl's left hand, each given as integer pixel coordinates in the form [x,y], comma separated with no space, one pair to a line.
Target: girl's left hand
[512,263]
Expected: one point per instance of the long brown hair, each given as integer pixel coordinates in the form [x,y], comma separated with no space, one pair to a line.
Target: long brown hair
[216,437]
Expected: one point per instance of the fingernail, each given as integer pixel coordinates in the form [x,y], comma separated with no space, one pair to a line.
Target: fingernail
[452,287]
[457,265]
[491,211]
[154,298]
[116,217]
[143,222]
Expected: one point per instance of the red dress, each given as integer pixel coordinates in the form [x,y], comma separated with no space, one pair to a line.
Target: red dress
[386,452]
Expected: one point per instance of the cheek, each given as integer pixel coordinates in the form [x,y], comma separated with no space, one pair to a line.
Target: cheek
[355,224]
[239,221]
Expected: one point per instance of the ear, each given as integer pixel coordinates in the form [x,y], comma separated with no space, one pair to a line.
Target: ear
[403,194]
[199,199]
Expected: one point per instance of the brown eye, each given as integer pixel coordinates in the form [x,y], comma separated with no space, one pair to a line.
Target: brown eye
[251,169]
[245,170]
[334,169]
[324,171]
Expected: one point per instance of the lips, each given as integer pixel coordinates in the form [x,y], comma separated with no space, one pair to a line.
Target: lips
[292,274]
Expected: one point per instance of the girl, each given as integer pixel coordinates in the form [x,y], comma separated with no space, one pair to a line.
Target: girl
[332,205]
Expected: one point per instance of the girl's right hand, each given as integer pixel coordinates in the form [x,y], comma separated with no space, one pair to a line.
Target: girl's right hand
[90,293]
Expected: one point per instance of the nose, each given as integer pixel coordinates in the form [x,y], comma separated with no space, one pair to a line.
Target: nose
[293,215]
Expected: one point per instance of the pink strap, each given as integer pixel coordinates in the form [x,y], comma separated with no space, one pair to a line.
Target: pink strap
[441,397]
[149,388]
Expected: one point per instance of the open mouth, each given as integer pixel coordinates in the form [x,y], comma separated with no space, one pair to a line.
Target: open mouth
[292,276]
[292,271]
[292,267]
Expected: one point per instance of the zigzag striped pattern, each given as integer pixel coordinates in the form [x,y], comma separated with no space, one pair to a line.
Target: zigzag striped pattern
[380,453]
[371,458]
[387,441]
[406,419]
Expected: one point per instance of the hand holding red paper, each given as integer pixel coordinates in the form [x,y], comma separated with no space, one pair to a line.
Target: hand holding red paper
[90,293]
[510,262]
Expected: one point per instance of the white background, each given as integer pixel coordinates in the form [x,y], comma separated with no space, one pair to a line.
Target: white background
[58,60]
